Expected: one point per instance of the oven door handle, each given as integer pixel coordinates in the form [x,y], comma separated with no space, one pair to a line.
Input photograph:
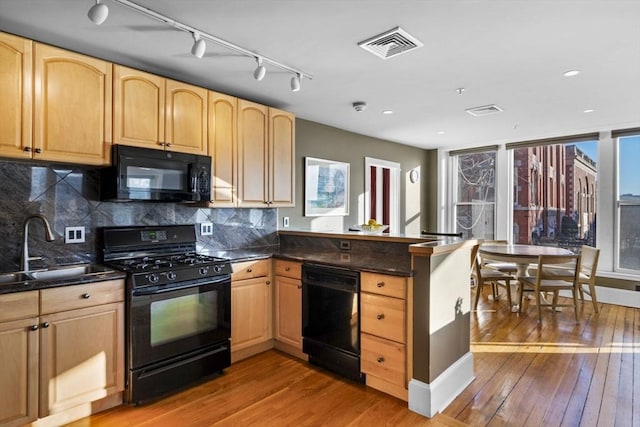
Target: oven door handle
[154,290]
[150,372]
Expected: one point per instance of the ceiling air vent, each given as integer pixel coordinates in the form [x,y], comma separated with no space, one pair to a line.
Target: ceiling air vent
[391,43]
[485,110]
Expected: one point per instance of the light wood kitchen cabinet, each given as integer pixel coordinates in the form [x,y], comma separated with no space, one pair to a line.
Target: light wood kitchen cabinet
[72,107]
[16,65]
[19,358]
[288,305]
[222,131]
[384,332]
[154,112]
[251,316]
[62,349]
[266,151]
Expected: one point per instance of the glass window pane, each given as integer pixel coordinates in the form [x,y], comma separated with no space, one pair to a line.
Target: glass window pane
[554,195]
[628,176]
[630,237]
[476,221]
[476,177]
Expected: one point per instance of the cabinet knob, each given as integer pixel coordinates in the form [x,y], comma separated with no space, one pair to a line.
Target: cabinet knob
[287,269]
[168,144]
[162,144]
[268,282]
[380,316]
[27,149]
[299,286]
[45,325]
[34,327]
[380,359]
[380,284]
[38,150]
[86,296]
[249,270]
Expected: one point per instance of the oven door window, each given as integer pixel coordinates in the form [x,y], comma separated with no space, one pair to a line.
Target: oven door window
[170,323]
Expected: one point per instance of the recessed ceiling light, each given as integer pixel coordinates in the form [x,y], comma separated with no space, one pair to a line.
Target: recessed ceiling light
[571,73]
[588,111]
[440,132]
[387,111]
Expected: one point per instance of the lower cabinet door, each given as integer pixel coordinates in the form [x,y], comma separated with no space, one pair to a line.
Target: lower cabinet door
[18,372]
[82,356]
[289,311]
[250,312]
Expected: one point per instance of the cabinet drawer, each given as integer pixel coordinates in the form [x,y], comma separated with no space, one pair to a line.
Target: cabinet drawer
[383,284]
[383,316]
[80,296]
[249,269]
[383,359]
[18,305]
[288,269]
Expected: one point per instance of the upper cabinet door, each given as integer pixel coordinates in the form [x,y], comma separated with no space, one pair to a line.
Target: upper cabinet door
[252,154]
[223,120]
[186,118]
[282,131]
[138,108]
[15,101]
[72,110]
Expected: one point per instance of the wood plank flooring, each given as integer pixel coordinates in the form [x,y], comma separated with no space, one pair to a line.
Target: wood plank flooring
[559,373]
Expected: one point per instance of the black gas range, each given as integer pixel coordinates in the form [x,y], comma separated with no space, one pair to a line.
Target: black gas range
[178,308]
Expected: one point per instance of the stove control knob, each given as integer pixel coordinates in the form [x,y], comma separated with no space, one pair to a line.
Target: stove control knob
[171,275]
[217,268]
[153,278]
[203,271]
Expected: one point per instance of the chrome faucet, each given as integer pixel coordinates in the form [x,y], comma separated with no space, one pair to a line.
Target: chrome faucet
[24,261]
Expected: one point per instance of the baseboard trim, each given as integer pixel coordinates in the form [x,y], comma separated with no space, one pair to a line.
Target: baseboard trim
[429,399]
[615,296]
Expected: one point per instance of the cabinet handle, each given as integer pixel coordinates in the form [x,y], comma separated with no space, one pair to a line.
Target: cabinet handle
[299,286]
[38,150]
[287,269]
[380,284]
[45,325]
[27,149]
[380,359]
[86,296]
[168,144]
[249,270]
[268,282]
[380,316]
[34,327]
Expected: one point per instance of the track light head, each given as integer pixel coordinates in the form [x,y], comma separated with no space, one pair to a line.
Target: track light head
[295,82]
[260,71]
[199,46]
[98,13]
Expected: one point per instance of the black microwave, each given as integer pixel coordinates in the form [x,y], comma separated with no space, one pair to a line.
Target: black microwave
[144,174]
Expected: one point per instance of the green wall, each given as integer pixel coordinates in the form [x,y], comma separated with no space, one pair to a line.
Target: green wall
[418,207]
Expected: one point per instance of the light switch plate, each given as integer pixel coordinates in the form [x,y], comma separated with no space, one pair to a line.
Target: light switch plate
[74,234]
[206,229]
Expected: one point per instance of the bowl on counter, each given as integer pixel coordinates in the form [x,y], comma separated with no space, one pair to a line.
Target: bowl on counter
[369,229]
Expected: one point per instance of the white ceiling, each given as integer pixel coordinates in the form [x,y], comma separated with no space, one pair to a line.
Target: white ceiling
[512,53]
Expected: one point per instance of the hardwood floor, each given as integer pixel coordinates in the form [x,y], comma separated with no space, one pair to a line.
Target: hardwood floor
[559,373]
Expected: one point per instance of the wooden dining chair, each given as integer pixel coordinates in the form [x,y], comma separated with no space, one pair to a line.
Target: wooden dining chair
[587,277]
[549,278]
[488,276]
[505,267]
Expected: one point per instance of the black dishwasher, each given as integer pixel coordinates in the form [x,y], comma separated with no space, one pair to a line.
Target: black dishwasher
[331,319]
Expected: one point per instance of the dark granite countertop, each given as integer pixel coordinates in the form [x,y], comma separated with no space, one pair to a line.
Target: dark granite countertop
[237,255]
[33,285]
[386,264]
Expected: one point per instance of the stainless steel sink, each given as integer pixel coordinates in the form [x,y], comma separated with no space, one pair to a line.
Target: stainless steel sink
[13,277]
[67,272]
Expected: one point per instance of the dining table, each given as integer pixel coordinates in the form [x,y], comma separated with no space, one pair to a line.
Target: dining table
[522,256]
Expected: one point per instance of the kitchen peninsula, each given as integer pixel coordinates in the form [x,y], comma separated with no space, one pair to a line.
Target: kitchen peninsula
[426,360]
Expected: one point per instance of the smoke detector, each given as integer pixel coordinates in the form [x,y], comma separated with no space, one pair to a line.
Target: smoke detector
[359,106]
[391,43]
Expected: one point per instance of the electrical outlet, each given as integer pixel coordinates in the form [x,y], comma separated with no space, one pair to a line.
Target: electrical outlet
[345,245]
[74,234]
[285,221]
[206,229]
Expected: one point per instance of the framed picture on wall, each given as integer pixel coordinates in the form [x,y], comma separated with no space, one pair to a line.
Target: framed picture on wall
[326,187]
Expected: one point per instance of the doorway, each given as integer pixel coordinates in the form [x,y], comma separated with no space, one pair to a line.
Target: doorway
[382,193]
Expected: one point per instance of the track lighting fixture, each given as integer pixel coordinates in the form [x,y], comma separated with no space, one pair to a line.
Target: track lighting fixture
[98,13]
[295,82]
[260,71]
[199,46]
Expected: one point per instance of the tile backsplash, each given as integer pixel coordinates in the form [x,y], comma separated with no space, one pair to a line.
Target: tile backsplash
[67,196]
